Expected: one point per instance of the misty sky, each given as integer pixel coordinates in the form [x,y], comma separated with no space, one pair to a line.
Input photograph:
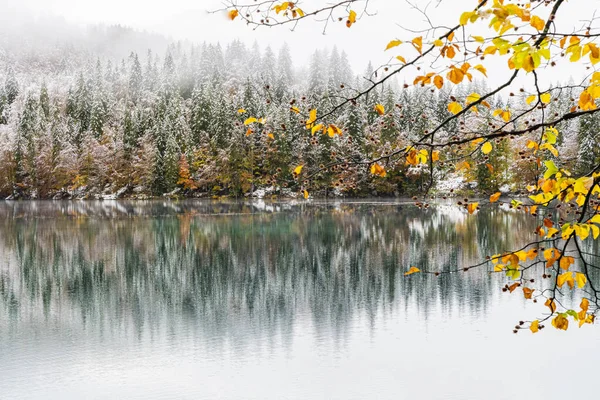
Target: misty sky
[188,19]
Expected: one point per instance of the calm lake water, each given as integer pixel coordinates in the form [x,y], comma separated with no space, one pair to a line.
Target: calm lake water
[203,300]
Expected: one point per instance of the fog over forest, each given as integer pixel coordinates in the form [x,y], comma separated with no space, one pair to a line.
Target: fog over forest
[108,111]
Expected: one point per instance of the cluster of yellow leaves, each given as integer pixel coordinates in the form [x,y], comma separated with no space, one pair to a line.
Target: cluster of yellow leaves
[575,50]
[331,129]
[501,16]
[528,57]
[587,98]
[291,6]
[504,114]
[416,157]
[544,98]
[561,320]
[510,263]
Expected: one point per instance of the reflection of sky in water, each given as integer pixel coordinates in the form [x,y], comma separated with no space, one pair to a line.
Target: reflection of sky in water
[265,300]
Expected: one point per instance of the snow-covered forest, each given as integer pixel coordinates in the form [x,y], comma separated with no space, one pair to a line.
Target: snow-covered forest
[84,123]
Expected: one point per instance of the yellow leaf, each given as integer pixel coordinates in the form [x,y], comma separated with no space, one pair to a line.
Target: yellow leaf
[478,39]
[527,292]
[435,156]
[305,194]
[551,305]
[481,69]
[468,16]
[472,98]
[316,128]
[333,130]
[379,109]
[418,43]
[271,136]
[567,278]
[300,12]
[530,99]
[566,261]
[392,44]
[250,120]
[351,18]
[232,14]
[472,207]
[454,107]
[494,198]
[537,23]
[402,59]
[486,148]
[581,280]
[298,169]
[535,326]
[438,81]
[249,132]
[412,270]
[295,110]
[560,322]
[504,114]
[545,98]
[378,170]
[311,118]
[241,111]
[438,43]
[455,75]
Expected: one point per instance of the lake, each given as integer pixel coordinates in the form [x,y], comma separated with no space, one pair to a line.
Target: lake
[259,300]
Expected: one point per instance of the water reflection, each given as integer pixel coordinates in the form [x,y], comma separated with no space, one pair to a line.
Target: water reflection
[211,300]
[224,268]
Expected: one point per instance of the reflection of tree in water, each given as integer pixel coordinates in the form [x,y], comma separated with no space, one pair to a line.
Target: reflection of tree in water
[245,271]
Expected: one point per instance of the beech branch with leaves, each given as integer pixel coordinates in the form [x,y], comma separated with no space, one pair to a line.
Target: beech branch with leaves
[524,38]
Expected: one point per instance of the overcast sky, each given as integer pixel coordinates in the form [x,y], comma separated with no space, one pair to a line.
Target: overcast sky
[189,19]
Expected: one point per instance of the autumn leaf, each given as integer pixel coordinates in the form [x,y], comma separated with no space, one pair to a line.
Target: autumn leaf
[535,326]
[379,109]
[305,193]
[481,69]
[298,170]
[241,111]
[486,148]
[545,98]
[401,59]
[412,270]
[504,114]
[494,198]
[250,120]
[418,44]
[438,81]
[472,207]
[560,322]
[567,278]
[455,107]
[551,305]
[527,292]
[351,18]
[295,110]
[580,279]
[392,44]
[311,118]
[435,156]
[378,170]
[232,14]
[537,23]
